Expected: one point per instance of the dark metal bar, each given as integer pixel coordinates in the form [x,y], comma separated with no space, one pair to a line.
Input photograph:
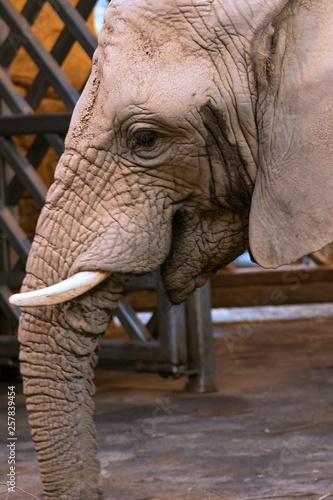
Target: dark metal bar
[152,325]
[37,51]
[133,326]
[55,123]
[200,341]
[171,327]
[135,351]
[24,170]
[164,368]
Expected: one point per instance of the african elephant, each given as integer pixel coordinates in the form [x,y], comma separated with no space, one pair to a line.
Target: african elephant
[205,128]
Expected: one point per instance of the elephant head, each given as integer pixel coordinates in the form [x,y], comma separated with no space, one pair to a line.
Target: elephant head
[200,120]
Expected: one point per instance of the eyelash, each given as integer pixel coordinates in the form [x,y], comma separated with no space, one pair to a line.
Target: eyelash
[144,139]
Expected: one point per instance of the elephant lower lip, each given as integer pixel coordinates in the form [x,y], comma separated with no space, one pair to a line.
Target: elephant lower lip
[91,313]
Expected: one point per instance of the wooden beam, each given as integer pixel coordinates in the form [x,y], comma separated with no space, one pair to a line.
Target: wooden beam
[250,287]
[258,287]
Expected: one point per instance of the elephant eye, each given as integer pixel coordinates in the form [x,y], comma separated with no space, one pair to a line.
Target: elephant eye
[144,139]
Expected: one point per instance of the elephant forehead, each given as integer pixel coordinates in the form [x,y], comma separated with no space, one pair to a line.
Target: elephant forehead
[170,85]
[141,25]
[210,23]
[163,86]
[149,28]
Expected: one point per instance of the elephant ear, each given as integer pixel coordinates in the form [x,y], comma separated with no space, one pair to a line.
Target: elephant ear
[292,205]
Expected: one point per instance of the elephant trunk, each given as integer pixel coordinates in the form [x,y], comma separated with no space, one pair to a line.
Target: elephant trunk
[58,352]
[57,377]
[58,355]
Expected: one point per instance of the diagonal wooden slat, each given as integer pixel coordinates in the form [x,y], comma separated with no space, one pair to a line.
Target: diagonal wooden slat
[14,232]
[39,54]
[59,51]
[12,312]
[10,46]
[50,73]
[11,96]
[76,25]
[24,170]
[17,104]
[35,155]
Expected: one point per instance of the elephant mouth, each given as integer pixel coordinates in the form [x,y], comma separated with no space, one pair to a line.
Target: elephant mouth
[71,288]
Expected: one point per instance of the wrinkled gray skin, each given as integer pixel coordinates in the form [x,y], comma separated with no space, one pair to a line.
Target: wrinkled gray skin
[198,117]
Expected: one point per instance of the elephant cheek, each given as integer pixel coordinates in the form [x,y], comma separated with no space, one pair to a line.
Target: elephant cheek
[181,268]
[179,293]
[202,244]
[181,278]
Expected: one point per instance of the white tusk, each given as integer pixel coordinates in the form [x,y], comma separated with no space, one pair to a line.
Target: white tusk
[61,292]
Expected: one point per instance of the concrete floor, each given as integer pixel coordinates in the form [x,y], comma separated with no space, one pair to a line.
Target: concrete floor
[267,433]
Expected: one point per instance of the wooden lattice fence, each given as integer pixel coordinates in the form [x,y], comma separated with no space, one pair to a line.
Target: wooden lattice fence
[45,54]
